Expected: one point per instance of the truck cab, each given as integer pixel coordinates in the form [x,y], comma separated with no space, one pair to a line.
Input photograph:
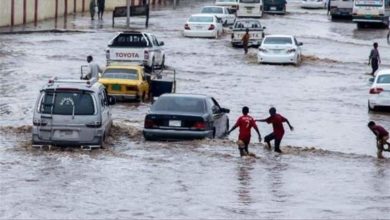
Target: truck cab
[371,11]
[72,113]
[136,47]
[341,8]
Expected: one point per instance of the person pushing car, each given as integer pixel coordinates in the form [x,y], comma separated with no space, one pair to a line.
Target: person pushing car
[245,123]
[382,137]
[278,129]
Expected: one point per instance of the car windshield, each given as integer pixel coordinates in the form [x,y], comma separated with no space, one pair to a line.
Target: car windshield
[130,40]
[67,103]
[179,104]
[278,40]
[369,2]
[121,74]
[383,79]
[212,10]
[201,19]
[249,1]
[247,24]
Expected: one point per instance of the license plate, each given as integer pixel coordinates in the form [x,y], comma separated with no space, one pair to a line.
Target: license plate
[116,87]
[273,8]
[66,134]
[249,11]
[198,27]
[174,123]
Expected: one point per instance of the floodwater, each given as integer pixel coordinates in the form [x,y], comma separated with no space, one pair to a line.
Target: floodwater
[328,170]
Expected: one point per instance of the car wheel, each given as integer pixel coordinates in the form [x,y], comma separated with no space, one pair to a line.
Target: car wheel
[227,126]
[214,133]
[369,107]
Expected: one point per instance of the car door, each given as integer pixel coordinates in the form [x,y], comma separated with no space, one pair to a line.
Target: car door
[298,47]
[219,118]
[104,109]
[229,16]
[157,50]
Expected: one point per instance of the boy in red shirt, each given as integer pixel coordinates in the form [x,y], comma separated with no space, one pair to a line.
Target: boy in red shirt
[246,123]
[278,129]
[381,136]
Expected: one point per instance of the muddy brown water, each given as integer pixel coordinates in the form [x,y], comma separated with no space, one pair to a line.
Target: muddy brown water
[328,170]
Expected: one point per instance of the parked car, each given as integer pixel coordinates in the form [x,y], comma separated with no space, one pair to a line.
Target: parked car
[203,25]
[137,47]
[275,6]
[314,4]
[125,81]
[256,31]
[185,116]
[221,12]
[250,8]
[72,113]
[379,96]
[341,9]
[230,4]
[280,49]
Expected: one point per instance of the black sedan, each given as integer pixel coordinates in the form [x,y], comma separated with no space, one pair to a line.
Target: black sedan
[185,116]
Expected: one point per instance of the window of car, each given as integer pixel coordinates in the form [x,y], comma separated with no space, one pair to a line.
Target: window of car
[212,10]
[67,103]
[247,24]
[179,104]
[277,40]
[201,19]
[130,40]
[383,79]
[249,1]
[121,74]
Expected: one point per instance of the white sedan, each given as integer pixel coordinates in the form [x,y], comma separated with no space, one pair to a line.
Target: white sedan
[314,4]
[380,91]
[203,25]
[280,49]
[221,12]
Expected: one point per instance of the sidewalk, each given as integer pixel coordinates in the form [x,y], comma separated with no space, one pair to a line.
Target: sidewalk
[81,22]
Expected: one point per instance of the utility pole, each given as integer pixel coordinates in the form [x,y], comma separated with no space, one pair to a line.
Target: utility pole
[128,14]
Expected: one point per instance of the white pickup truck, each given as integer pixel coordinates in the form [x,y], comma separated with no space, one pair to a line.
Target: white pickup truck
[256,31]
[136,47]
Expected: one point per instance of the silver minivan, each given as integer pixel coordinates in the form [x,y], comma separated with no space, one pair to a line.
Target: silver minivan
[72,113]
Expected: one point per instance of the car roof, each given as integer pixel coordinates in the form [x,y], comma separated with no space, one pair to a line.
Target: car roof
[187,95]
[202,15]
[383,72]
[279,35]
[88,85]
[124,66]
[213,6]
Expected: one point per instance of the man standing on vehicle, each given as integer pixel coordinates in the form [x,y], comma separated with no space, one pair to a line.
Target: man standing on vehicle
[245,123]
[94,69]
[245,40]
[278,129]
[381,137]
[374,58]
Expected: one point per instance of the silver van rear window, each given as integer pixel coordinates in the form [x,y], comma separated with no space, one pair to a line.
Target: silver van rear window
[67,103]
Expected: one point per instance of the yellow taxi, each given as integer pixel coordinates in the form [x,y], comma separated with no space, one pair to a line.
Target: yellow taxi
[125,81]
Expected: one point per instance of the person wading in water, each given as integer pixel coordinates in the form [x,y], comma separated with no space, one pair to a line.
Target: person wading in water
[245,123]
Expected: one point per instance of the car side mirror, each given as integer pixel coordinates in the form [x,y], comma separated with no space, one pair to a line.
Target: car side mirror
[300,44]
[161,43]
[225,110]
[371,80]
[264,28]
[111,100]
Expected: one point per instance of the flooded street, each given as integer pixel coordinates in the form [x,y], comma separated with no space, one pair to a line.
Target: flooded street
[329,168]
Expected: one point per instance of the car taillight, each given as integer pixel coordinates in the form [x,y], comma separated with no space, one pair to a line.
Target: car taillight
[146,55]
[212,27]
[200,125]
[149,123]
[107,54]
[187,27]
[291,50]
[95,124]
[376,90]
